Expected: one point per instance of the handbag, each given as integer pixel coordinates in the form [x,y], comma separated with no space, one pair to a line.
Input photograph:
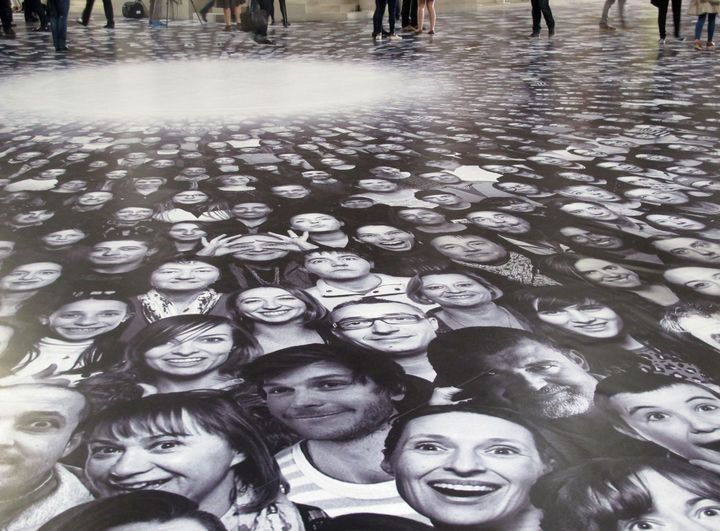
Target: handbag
[253,18]
[134,9]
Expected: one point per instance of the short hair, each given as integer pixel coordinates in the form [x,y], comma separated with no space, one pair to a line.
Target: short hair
[392,440]
[670,321]
[314,311]
[373,300]
[452,354]
[133,507]
[597,494]
[348,250]
[245,346]
[373,522]
[422,194]
[365,366]
[415,285]
[215,412]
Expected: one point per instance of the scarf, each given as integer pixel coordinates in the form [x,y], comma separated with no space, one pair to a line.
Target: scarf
[156,306]
[518,268]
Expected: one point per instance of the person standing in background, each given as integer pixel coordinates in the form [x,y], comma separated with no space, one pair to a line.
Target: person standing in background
[704,9]
[430,4]
[542,8]
[662,6]
[58,10]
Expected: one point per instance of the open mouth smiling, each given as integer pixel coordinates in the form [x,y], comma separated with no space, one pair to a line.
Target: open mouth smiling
[184,362]
[139,485]
[464,489]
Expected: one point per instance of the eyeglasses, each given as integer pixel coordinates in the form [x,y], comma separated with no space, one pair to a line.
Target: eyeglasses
[394,319]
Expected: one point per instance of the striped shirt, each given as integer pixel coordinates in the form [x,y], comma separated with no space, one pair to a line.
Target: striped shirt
[309,486]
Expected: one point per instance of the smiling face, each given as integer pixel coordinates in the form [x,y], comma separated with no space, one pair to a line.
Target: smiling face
[32,217]
[94,198]
[469,248]
[682,418]
[37,424]
[195,464]
[86,319]
[270,306]
[259,248]
[184,276]
[703,280]
[591,239]
[443,199]
[133,214]
[192,354]
[191,197]
[186,232]
[588,193]
[706,328]
[325,401]
[589,318]
[498,222]
[290,191]
[421,216]
[118,252]
[315,222]
[455,291]
[672,222]
[397,329]
[377,185]
[607,274]
[30,277]
[692,249]
[386,237]
[589,211]
[466,469]
[252,211]
[650,195]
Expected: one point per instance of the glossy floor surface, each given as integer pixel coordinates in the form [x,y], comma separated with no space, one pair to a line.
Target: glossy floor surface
[232,250]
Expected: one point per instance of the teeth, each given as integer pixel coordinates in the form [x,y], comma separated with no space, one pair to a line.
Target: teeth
[143,485]
[184,361]
[466,488]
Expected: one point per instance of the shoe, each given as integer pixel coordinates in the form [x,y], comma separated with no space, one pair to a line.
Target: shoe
[551,32]
[710,45]
[698,44]
[272,22]
[680,39]
[661,41]
[392,36]
[156,24]
[9,34]
[203,16]
[286,24]
[375,35]
[63,49]
[385,34]
[606,26]
[109,25]
[42,28]
[431,32]
[262,40]
[227,28]
[534,35]
[407,28]
[80,21]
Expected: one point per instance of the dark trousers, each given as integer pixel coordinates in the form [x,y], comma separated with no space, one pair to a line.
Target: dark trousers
[58,21]
[379,14]
[283,11]
[662,16]
[34,6]
[107,6]
[409,13]
[542,7]
[6,15]
[265,7]
[207,7]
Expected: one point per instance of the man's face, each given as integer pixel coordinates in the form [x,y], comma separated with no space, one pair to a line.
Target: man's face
[337,265]
[31,277]
[186,232]
[466,469]
[377,185]
[94,198]
[539,380]
[325,401]
[85,319]
[184,276]
[591,239]
[118,252]
[443,198]
[498,221]
[588,193]
[317,175]
[148,183]
[704,280]
[259,248]
[251,210]
[659,197]
[683,418]
[195,464]
[36,427]
[386,237]
[315,222]
[469,248]
[235,180]
[75,185]
[693,249]
[607,274]
[116,174]
[291,191]
[421,216]
[393,328]
[445,178]
[518,188]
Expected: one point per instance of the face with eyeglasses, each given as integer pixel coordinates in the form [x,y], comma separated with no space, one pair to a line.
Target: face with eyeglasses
[394,328]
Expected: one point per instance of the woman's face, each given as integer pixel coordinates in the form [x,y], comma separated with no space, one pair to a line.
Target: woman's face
[315,222]
[235,180]
[589,211]
[191,197]
[270,305]
[591,239]
[607,274]
[672,222]
[196,464]
[86,319]
[251,210]
[466,470]
[421,216]
[703,280]
[706,328]
[94,198]
[184,276]
[63,238]
[499,222]
[186,232]
[455,291]
[386,237]
[588,318]
[30,277]
[377,185]
[193,353]
[674,507]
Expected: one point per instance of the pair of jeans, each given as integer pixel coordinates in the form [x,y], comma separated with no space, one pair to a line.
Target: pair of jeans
[58,22]
[6,15]
[107,7]
[606,10]
[701,22]
[662,16]
[409,13]
[379,14]
[542,7]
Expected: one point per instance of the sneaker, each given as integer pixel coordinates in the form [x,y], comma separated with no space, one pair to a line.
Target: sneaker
[385,34]
[407,28]
[679,38]
[375,35]
[710,45]
[156,24]
[551,32]
[661,41]
[606,26]
[79,20]
[534,35]
[698,44]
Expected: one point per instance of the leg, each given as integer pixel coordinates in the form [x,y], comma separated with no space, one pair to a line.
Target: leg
[271,12]
[676,9]
[699,27]
[711,27]
[606,11]
[53,15]
[377,17]
[536,14]
[109,14]
[39,10]
[156,12]
[662,17]
[236,12]
[64,10]
[261,31]
[283,12]
[621,11]
[6,18]
[392,7]
[405,13]
[547,14]
[420,14]
[204,10]
[226,16]
[431,14]
[414,13]
[86,12]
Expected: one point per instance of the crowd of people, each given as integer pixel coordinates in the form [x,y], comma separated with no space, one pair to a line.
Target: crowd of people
[230,330]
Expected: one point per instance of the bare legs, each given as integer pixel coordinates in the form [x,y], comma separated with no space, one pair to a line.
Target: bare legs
[431,14]
[228,20]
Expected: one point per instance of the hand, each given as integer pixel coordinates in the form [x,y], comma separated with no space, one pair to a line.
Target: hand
[295,242]
[443,396]
[218,246]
